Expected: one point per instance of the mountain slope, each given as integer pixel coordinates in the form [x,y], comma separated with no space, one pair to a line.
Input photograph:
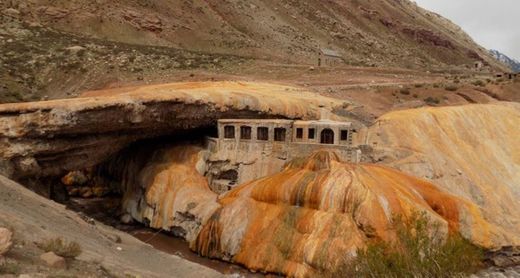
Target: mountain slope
[386,32]
[510,62]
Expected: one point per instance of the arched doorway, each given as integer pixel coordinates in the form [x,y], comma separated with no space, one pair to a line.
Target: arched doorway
[327,136]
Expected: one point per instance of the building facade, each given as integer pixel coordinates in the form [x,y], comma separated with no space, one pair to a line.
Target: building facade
[329,58]
[248,149]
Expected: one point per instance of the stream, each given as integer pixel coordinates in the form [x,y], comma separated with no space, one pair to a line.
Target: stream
[104,210]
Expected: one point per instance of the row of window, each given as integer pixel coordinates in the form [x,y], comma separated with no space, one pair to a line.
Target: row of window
[262,134]
[328,133]
[299,134]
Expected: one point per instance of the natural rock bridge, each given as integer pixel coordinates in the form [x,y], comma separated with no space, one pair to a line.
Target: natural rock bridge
[49,138]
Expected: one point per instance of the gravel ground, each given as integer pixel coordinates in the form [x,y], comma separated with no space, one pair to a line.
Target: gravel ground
[510,272]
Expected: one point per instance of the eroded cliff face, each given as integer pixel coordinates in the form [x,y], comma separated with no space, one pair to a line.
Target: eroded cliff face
[470,151]
[300,222]
[305,219]
[51,137]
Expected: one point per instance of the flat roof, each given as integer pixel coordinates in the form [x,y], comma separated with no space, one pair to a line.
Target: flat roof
[323,122]
[284,121]
[262,121]
[330,52]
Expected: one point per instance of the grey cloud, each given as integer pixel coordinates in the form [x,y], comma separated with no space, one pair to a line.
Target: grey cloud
[492,23]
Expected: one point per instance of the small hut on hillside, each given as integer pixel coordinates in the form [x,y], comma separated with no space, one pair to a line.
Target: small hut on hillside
[329,58]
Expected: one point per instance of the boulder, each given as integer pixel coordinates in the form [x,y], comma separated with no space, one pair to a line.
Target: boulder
[53,260]
[5,240]
[99,191]
[12,12]
[74,178]
[75,49]
[86,192]
[126,219]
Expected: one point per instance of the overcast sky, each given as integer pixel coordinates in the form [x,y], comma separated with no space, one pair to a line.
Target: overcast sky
[492,23]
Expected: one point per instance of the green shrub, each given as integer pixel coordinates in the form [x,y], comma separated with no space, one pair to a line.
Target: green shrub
[418,251]
[419,85]
[451,88]
[61,248]
[436,85]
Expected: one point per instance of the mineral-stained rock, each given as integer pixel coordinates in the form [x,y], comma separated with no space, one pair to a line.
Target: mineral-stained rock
[74,178]
[86,192]
[470,151]
[167,191]
[305,219]
[65,135]
[100,191]
[298,222]
[5,240]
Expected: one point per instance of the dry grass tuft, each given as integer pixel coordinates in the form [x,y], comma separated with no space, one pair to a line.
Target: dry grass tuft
[61,247]
[451,88]
[9,267]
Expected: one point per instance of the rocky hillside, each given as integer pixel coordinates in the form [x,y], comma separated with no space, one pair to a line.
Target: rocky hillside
[106,252]
[510,62]
[386,32]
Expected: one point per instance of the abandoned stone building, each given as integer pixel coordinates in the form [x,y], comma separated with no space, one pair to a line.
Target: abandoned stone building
[329,58]
[248,149]
[478,65]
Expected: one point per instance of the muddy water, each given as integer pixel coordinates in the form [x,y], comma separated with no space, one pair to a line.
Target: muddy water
[179,247]
[105,209]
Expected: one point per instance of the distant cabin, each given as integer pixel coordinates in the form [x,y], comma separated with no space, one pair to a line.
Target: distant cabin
[478,65]
[329,58]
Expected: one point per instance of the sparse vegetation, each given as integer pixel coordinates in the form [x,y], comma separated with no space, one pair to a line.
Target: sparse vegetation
[9,267]
[479,83]
[451,88]
[432,100]
[61,247]
[419,85]
[404,91]
[417,252]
